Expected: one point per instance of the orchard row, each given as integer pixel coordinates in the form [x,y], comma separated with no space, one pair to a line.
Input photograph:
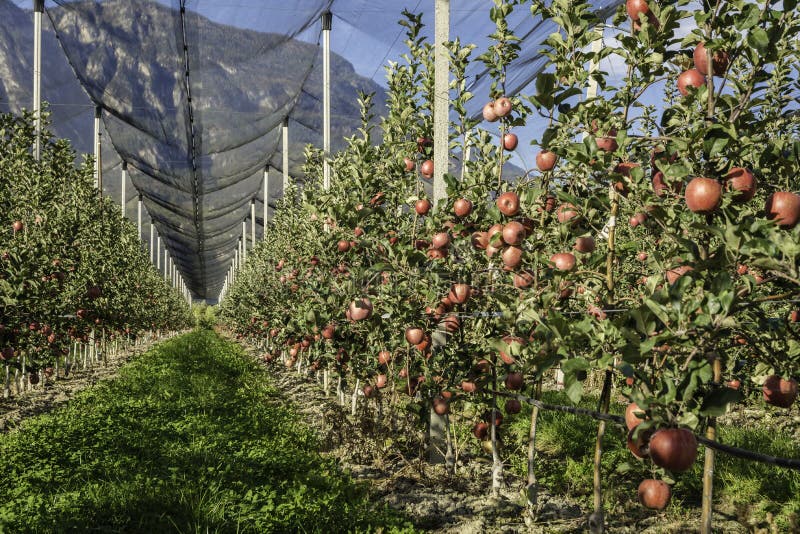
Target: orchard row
[71,268]
[513,276]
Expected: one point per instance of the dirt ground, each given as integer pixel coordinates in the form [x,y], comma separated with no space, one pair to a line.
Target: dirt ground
[439,501]
[53,392]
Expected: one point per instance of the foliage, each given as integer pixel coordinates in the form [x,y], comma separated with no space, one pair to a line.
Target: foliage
[188,438]
[74,266]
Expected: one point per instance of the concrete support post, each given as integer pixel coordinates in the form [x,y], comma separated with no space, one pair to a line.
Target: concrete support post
[124,184]
[327,20]
[38,11]
[441,105]
[266,200]
[139,215]
[253,224]
[98,147]
[285,149]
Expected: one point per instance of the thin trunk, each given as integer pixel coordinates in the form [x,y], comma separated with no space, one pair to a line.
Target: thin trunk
[532,489]
[497,462]
[596,520]
[449,457]
[7,383]
[708,468]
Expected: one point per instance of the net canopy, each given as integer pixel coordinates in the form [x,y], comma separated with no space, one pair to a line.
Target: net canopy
[194,94]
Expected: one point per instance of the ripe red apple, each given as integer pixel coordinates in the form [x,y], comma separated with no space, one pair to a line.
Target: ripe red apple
[381,381]
[426,169]
[369,391]
[384,357]
[654,494]
[523,279]
[17,226]
[513,406]
[512,256]
[489,113]
[360,309]
[676,272]
[462,207]
[503,106]
[510,141]
[563,261]
[508,203]
[567,212]
[703,195]
[674,449]
[480,430]
[451,323]
[514,233]
[660,186]
[343,245]
[608,142]
[631,419]
[514,346]
[440,405]
[409,164]
[514,381]
[440,240]
[480,240]
[784,207]
[637,219]
[422,206]
[642,256]
[779,391]
[794,316]
[635,7]
[546,160]
[690,78]
[469,386]
[414,335]
[459,293]
[743,181]
[719,61]
[584,244]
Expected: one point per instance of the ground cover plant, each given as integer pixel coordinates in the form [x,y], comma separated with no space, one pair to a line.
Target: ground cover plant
[189,438]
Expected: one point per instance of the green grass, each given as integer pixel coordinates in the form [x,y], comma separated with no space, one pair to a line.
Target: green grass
[751,492]
[189,438]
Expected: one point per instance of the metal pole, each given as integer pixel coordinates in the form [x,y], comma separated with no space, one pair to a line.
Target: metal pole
[253,223]
[124,180]
[441,105]
[285,134]
[266,199]
[327,20]
[139,216]
[97,147]
[38,11]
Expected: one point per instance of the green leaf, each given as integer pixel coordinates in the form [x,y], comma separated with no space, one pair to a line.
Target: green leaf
[758,39]
[716,403]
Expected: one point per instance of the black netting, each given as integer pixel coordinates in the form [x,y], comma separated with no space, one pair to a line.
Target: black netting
[194,95]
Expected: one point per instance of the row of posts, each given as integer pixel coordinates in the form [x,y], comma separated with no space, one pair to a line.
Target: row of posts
[171,273]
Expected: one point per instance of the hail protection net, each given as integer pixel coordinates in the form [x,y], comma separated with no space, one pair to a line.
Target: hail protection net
[194,95]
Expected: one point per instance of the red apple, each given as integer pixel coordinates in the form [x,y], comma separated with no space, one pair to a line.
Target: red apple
[779,391]
[510,141]
[743,181]
[690,78]
[703,195]
[462,207]
[563,261]
[719,60]
[674,449]
[503,106]
[489,113]
[784,208]
[426,169]
[508,203]
[654,494]
[422,206]
[546,160]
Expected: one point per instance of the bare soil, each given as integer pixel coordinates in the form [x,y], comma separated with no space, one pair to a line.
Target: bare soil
[388,460]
